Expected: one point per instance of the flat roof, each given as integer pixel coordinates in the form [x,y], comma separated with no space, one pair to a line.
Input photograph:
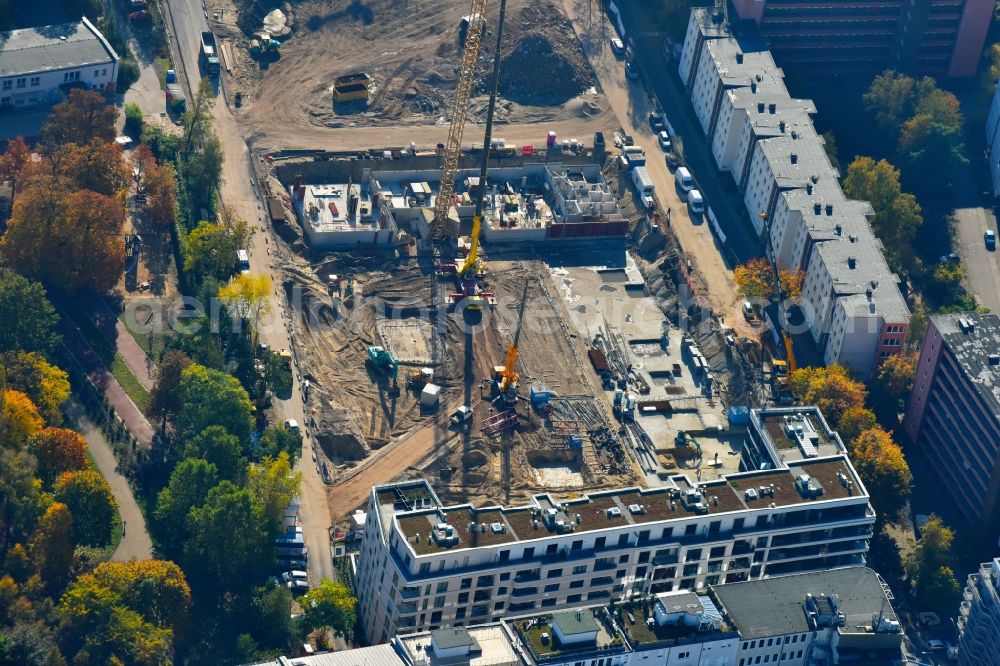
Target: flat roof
[495,648]
[575,622]
[972,348]
[533,628]
[53,47]
[774,606]
[452,638]
[376,655]
[466,526]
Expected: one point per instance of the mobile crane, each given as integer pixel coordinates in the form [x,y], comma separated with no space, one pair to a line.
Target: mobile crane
[505,375]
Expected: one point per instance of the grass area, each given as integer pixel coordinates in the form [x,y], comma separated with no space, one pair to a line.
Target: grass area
[162,65]
[153,343]
[130,383]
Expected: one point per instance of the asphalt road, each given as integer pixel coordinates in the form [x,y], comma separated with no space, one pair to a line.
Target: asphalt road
[982,266]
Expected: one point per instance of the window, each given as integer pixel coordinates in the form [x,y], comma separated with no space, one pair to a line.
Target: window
[691,569]
[460,614]
[574,598]
[484,581]
[463,598]
[553,587]
[770,642]
[436,617]
[693,555]
[21,82]
[575,584]
[690,530]
[644,557]
[504,556]
[548,602]
[579,569]
[97,73]
[644,536]
[8,84]
[104,72]
[466,584]
[622,559]
[36,81]
[667,533]
[505,576]
[529,553]
[753,644]
[640,572]
[425,568]
[577,545]
[498,606]
[622,539]
[683,655]
[600,541]
[554,573]
[442,587]
[438,602]
[501,591]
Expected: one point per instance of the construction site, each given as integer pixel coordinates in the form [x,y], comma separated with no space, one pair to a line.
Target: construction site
[500,321]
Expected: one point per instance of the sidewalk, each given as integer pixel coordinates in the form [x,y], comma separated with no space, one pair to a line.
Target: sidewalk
[104,381]
[134,356]
[136,543]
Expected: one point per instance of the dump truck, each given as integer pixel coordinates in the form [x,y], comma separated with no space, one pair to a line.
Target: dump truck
[209,56]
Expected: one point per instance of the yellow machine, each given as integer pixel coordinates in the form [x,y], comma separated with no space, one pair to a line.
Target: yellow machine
[505,375]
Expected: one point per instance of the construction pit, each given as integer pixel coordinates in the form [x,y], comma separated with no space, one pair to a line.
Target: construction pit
[410,54]
[579,296]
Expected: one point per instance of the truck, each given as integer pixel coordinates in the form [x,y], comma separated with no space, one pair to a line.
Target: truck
[643,185]
[175,98]
[209,56]
[632,157]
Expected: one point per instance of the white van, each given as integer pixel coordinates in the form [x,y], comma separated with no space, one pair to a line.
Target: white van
[696,203]
[683,179]
[243,258]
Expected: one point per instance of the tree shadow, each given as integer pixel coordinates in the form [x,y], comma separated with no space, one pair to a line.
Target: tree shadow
[356,11]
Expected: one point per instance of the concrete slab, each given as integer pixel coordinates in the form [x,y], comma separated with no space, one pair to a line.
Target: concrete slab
[407,340]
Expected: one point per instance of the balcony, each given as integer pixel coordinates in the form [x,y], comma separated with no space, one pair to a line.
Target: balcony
[407,608]
[672,558]
[527,576]
[603,580]
[409,592]
[604,564]
[524,591]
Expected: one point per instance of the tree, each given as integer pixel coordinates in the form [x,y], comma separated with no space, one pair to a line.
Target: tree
[156,589]
[330,605]
[276,440]
[882,466]
[89,498]
[221,449]
[210,251]
[272,612]
[211,397]
[204,172]
[58,450]
[854,421]
[754,279]
[45,384]
[249,297]
[890,99]
[98,167]
[895,376]
[897,214]
[188,487]
[21,499]
[946,283]
[19,419]
[830,146]
[829,388]
[27,318]
[273,484]
[791,283]
[83,118]
[52,545]
[161,201]
[141,160]
[930,149]
[940,106]
[928,566]
[86,227]
[165,399]
[227,547]
[12,162]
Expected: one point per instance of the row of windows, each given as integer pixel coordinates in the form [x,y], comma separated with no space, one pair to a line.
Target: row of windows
[768,658]
[35,81]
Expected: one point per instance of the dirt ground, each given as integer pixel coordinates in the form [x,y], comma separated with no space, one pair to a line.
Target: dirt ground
[412,52]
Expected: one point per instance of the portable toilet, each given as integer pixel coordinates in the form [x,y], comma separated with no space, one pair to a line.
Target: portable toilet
[550,140]
[429,396]
[540,395]
[576,441]
[739,415]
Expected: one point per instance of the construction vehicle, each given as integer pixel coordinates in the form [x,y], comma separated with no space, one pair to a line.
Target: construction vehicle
[461,417]
[684,440]
[418,379]
[505,376]
[209,55]
[263,44]
[780,296]
[383,361]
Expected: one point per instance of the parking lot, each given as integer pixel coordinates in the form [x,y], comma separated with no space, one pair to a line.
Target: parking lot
[982,266]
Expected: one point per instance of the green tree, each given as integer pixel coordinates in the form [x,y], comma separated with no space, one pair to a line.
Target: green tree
[928,566]
[52,545]
[272,612]
[276,440]
[27,318]
[188,487]
[82,119]
[883,468]
[273,484]
[249,296]
[330,605]
[897,214]
[89,498]
[156,589]
[44,383]
[21,499]
[204,172]
[221,449]
[165,399]
[830,146]
[930,150]
[227,549]
[210,251]
[894,97]
[211,397]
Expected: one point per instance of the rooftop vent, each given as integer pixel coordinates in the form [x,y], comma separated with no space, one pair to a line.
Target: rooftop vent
[795,135]
[839,230]
[809,188]
[817,208]
[852,263]
[614,512]
[781,126]
[794,156]
[753,87]
[994,359]
[808,487]
[739,58]
[829,209]
[852,238]
[966,325]
[760,107]
[772,108]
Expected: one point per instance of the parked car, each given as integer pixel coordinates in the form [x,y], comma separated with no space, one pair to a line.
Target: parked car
[656,121]
[617,47]
[291,424]
[289,576]
[664,140]
[137,4]
[683,179]
[696,203]
[295,562]
[934,645]
[298,586]
[991,239]
[141,16]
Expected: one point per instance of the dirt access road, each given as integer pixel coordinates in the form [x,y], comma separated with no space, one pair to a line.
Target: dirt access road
[240,194]
[631,106]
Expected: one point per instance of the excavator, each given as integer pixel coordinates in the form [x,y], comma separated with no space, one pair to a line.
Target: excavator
[505,376]
[443,227]
[382,360]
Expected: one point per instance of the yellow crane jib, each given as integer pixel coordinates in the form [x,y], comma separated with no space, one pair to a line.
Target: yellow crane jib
[442,224]
[472,259]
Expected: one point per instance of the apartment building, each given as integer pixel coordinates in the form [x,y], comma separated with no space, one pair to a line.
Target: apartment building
[935,37]
[37,63]
[954,411]
[979,617]
[798,506]
[765,139]
[993,142]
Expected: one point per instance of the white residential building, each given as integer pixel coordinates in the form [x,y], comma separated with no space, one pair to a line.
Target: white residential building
[424,565]
[766,140]
[979,617]
[36,63]
[993,142]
